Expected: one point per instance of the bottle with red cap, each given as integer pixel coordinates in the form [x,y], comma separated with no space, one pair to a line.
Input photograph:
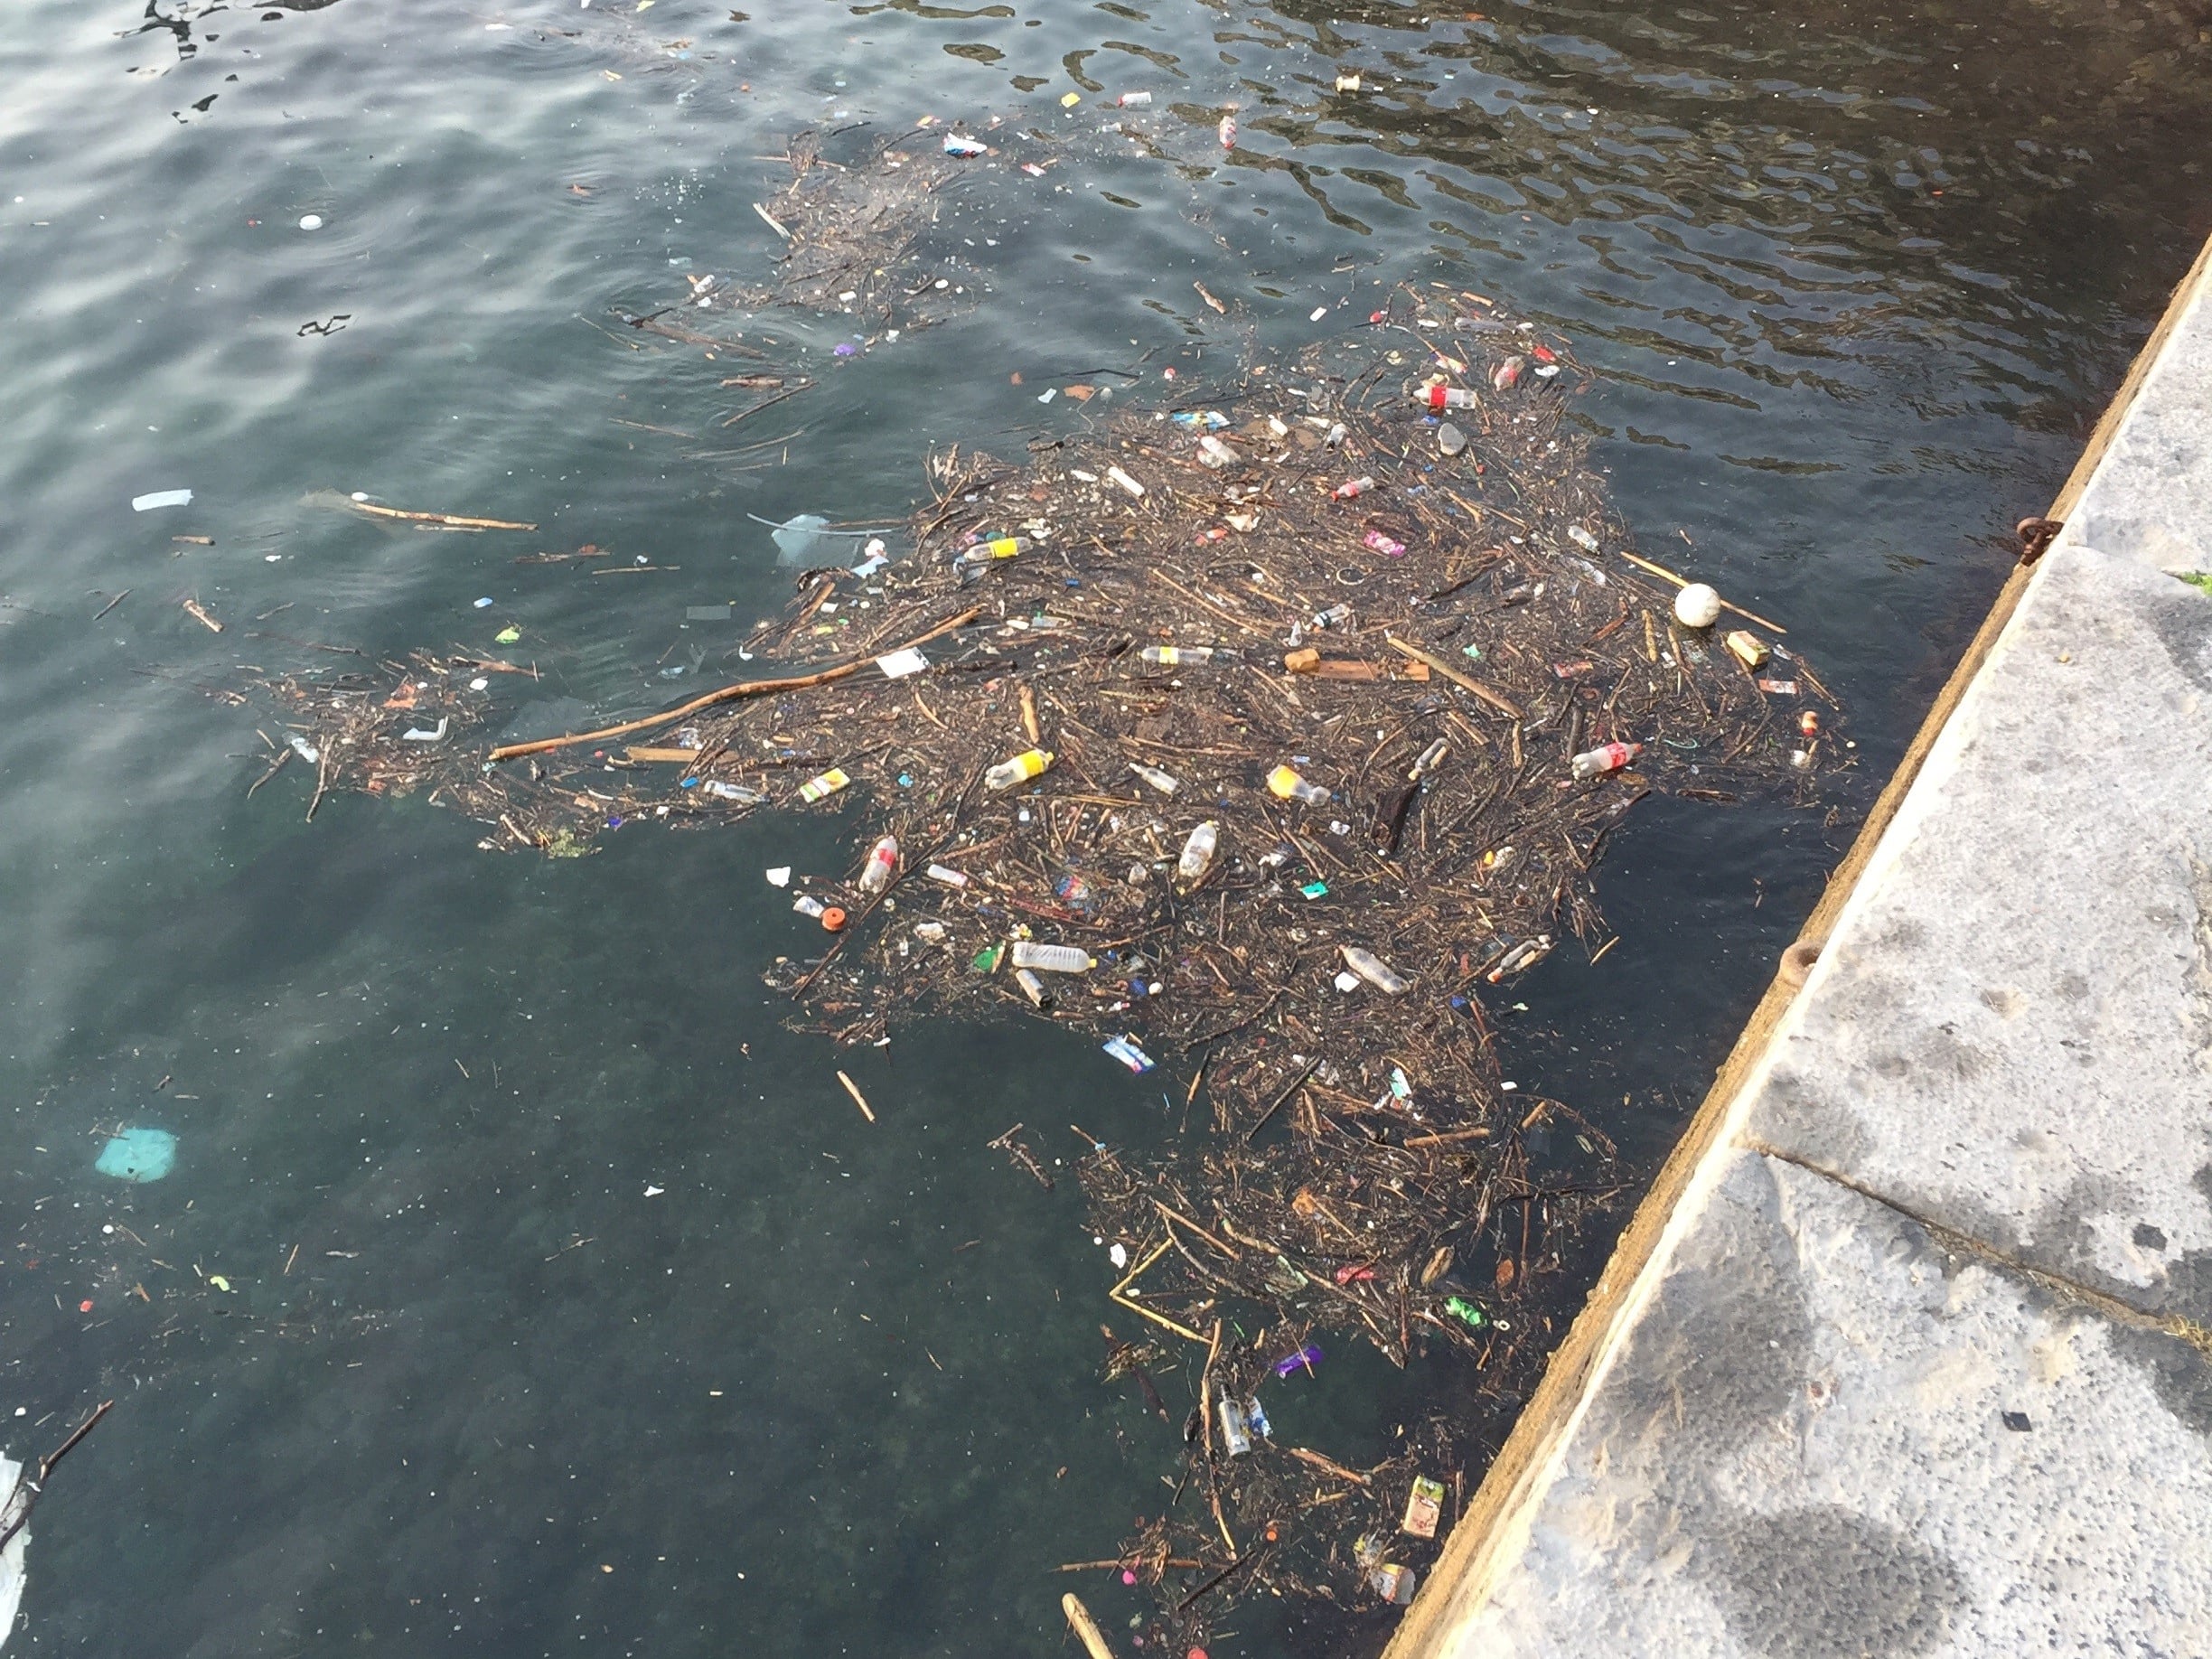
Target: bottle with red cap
[1606,757]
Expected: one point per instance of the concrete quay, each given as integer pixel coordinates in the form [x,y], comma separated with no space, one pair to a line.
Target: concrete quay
[1909,1350]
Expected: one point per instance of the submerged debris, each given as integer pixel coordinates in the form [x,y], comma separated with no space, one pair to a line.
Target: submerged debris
[1257,739]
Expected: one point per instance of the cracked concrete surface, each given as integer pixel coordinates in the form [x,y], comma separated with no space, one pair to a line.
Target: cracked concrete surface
[1922,1363]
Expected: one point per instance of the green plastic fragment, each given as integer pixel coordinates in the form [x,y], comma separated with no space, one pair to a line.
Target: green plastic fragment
[1460,1307]
[1315,889]
[507,636]
[986,961]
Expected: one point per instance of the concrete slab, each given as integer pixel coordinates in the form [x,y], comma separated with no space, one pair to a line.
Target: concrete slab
[2153,499]
[1801,1452]
[2010,1034]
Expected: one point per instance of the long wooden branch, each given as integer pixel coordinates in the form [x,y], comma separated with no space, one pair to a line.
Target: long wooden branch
[727,694]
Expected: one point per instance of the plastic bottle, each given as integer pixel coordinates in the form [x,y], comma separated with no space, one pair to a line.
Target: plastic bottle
[1027,764]
[1177,656]
[1337,616]
[1167,782]
[1461,1309]
[1352,487]
[1606,757]
[882,865]
[1285,784]
[1199,853]
[1508,373]
[1236,1435]
[1445,398]
[1051,958]
[306,751]
[1372,969]
[1430,759]
[1256,1418]
[1134,100]
[738,793]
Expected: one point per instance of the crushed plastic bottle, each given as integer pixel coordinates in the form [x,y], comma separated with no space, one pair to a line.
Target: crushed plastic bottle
[1256,1418]
[1606,757]
[950,878]
[806,904]
[1351,488]
[1445,398]
[1507,375]
[1465,1312]
[882,865]
[1373,969]
[1006,773]
[1051,958]
[1236,1429]
[1430,759]
[1199,853]
[1213,453]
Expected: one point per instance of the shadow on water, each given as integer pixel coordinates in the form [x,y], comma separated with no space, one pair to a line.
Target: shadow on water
[571,1305]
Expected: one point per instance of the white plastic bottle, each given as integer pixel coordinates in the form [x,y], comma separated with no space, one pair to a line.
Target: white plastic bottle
[1178,656]
[1606,757]
[1027,764]
[882,865]
[1199,853]
[1373,969]
[1051,958]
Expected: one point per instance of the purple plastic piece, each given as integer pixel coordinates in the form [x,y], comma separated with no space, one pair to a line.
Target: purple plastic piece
[1307,1357]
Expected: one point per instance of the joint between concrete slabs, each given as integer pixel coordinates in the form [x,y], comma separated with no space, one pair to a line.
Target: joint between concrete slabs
[2101,1302]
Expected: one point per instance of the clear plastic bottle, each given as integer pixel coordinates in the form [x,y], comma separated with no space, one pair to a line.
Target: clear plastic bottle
[1199,853]
[1285,784]
[1606,757]
[1167,782]
[306,751]
[1445,398]
[1134,100]
[1178,656]
[738,793]
[1213,453]
[1051,958]
[1373,969]
[882,865]
[1352,487]
[1236,1434]
[1027,764]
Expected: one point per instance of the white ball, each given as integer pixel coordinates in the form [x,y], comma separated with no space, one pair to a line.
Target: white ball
[311,221]
[1697,606]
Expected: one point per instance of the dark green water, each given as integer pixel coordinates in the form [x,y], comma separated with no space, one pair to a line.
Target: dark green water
[1856,285]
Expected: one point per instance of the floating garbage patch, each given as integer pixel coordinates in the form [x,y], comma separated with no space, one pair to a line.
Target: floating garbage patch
[138,1155]
[1265,740]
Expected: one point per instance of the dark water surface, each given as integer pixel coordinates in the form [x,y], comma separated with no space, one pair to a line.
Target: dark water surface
[1856,285]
